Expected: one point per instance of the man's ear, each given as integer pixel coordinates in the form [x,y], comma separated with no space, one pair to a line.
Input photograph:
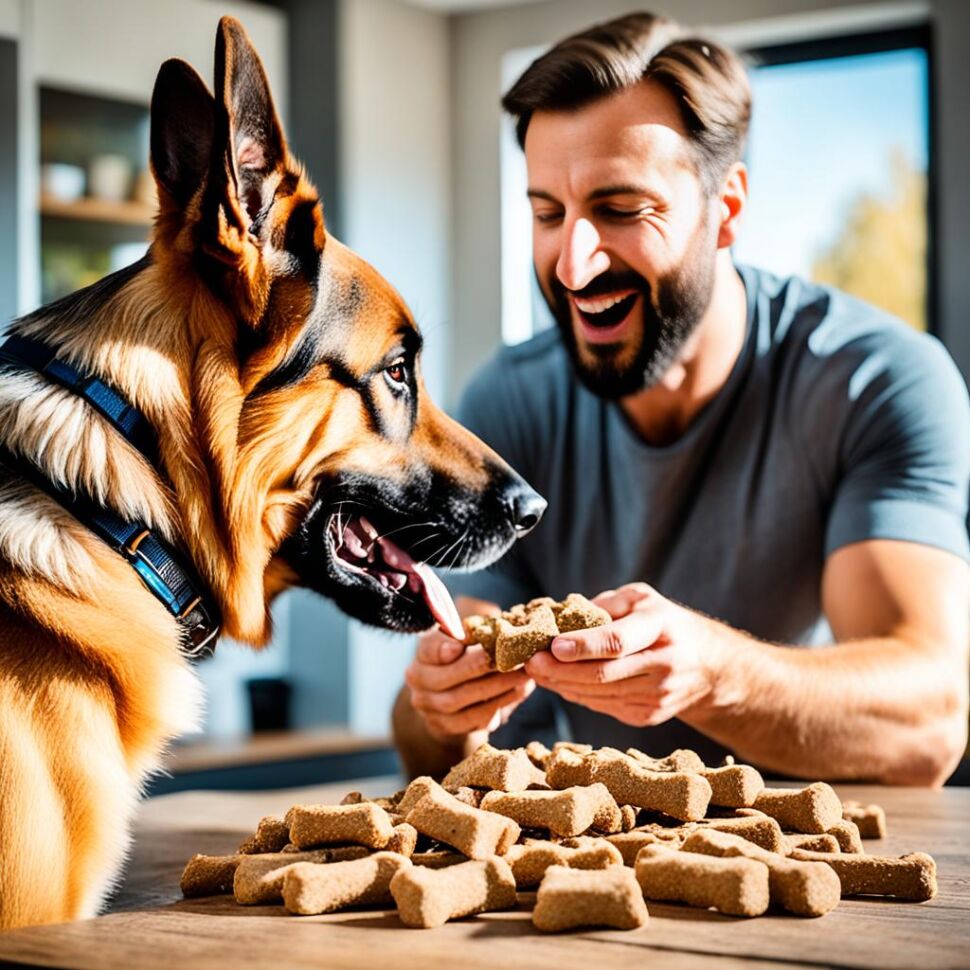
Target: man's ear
[731,204]
[253,138]
[182,129]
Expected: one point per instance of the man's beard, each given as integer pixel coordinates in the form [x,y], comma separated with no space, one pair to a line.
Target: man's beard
[670,315]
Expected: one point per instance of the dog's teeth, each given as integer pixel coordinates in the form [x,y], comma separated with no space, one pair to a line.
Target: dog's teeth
[369,530]
[396,580]
[353,543]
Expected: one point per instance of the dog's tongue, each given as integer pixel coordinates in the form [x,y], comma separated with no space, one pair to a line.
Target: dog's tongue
[422,579]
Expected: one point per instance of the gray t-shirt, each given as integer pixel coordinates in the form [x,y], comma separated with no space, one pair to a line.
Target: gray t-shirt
[837,424]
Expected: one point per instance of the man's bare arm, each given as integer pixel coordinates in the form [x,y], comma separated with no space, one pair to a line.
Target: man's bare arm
[887,702]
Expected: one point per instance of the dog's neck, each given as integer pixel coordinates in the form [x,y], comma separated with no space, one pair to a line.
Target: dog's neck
[169,355]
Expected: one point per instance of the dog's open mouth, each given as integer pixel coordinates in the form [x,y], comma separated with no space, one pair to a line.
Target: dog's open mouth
[360,548]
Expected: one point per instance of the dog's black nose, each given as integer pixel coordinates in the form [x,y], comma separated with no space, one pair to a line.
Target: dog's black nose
[525,507]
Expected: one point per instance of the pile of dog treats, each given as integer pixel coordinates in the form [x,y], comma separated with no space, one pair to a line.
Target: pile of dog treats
[595,832]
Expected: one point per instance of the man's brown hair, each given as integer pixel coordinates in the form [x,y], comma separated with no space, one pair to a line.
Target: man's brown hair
[707,80]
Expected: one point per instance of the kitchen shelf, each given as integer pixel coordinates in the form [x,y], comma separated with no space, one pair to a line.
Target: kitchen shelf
[99,210]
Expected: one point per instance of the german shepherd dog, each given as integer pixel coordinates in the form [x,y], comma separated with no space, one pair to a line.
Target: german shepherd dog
[280,375]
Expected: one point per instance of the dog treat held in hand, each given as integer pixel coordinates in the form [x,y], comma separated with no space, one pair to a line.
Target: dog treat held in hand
[493,768]
[812,810]
[736,887]
[846,833]
[363,824]
[482,630]
[569,898]
[209,875]
[870,819]
[259,878]
[515,644]
[910,877]
[813,843]
[271,835]
[530,861]
[578,613]
[803,888]
[682,796]
[310,889]
[428,897]
[473,832]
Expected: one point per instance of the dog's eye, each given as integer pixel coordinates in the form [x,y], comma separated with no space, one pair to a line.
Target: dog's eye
[397,374]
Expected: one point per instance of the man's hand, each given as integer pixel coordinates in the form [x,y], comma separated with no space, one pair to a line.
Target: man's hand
[645,667]
[456,692]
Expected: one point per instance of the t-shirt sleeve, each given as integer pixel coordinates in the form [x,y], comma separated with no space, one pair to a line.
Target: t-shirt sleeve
[903,451]
[491,408]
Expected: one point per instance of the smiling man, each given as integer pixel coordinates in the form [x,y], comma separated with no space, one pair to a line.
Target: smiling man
[764,480]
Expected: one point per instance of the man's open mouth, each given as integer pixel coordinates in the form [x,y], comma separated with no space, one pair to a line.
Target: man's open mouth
[358,547]
[605,311]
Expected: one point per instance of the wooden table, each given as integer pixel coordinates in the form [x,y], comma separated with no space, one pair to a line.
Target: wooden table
[148,925]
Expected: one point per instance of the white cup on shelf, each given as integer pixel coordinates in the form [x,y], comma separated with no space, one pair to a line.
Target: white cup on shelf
[109,177]
[62,181]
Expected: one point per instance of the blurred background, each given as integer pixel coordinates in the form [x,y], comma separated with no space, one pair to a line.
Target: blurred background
[858,155]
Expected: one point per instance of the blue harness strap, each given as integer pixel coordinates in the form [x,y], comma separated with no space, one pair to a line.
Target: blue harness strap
[28,352]
[175,585]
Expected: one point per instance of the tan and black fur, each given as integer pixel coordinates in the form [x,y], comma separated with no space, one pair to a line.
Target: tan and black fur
[280,373]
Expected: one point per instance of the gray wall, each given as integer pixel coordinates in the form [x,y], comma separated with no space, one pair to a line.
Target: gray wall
[8,181]
[479,41]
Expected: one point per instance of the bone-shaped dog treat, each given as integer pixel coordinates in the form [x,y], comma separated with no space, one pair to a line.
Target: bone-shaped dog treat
[271,835]
[683,759]
[530,861]
[870,819]
[515,644]
[482,630]
[438,858]
[493,768]
[209,875]
[475,833]
[628,817]
[680,795]
[310,889]
[363,824]
[415,792]
[759,829]
[470,796]
[733,786]
[813,843]
[736,887]
[812,810]
[629,844]
[538,754]
[846,833]
[908,877]
[569,898]
[258,879]
[803,888]
[571,811]
[403,841]
[430,897]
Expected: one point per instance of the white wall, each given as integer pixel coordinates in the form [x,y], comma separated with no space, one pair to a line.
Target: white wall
[395,185]
[9,18]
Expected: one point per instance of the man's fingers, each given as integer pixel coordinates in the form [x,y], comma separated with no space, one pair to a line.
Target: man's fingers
[467,694]
[636,631]
[619,602]
[436,648]
[655,664]
[478,716]
[472,663]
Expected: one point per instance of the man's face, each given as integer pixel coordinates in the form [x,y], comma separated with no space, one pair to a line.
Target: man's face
[624,238]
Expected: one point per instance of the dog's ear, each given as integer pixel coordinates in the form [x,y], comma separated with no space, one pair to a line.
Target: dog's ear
[182,130]
[249,128]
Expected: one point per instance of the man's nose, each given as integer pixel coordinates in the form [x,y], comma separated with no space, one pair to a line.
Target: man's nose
[580,260]
[524,507]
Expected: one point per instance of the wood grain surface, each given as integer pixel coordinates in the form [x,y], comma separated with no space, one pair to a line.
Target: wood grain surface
[148,925]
